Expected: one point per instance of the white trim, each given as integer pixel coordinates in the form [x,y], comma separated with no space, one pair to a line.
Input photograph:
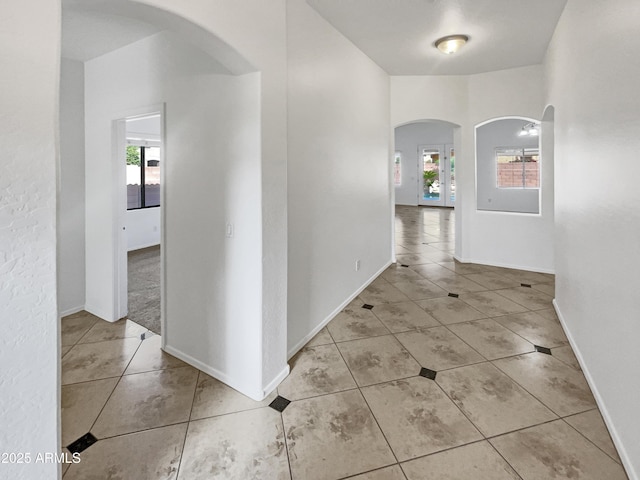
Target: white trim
[119,220]
[144,143]
[622,452]
[257,395]
[298,346]
[505,265]
[100,314]
[163,221]
[71,311]
[513,214]
[506,117]
[276,381]
[392,190]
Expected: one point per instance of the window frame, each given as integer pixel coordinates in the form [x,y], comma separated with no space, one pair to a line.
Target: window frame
[142,144]
[524,152]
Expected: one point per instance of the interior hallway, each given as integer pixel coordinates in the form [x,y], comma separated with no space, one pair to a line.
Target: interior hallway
[438,370]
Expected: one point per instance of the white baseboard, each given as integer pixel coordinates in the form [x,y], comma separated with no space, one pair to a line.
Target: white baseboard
[271,386]
[100,314]
[256,394]
[70,311]
[505,265]
[622,452]
[296,348]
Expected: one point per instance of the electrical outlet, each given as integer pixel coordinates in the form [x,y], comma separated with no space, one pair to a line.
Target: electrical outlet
[229,231]
[357,265]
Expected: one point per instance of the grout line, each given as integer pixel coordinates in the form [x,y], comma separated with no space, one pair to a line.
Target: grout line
[509,432]
[286,444]
[114,388]
[504,458]
[455,404]
[367,404]
[523,387]
[226,414]
[186,432]
[378,424]
[497,291]
[372,471]
[423,227]
[141,431]
[564,419]
[90,381]
[520,335]
[137,337]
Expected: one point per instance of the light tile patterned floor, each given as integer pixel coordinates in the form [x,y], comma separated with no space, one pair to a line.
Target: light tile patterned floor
[443,379]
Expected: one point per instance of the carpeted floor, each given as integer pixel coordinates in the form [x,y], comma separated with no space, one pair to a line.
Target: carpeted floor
[144,287]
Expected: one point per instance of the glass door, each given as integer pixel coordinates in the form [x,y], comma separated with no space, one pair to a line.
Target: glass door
[436,178]
[429,187]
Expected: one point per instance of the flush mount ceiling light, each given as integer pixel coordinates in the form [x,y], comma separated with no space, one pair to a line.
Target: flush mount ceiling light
[530,129]
[451,43]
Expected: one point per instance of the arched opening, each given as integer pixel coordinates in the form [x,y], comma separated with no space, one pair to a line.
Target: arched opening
[147,60]
[423,174]
[512,224]
[508,173]
[424,163]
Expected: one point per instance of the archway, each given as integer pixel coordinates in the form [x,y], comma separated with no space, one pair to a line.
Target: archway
[430,145]
[423,165]
[212,100]
[508,165]
[512,224]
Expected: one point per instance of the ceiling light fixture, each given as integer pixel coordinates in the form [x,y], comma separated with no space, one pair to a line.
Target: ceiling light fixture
[530,129]
[451,43]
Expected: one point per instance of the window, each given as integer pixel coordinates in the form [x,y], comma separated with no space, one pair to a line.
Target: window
[518,168]
[143,177]
[397,169]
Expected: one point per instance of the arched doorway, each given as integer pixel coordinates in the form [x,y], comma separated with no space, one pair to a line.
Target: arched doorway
[424,163]
[211,97]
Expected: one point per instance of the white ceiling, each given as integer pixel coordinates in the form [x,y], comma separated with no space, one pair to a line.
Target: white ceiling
[396,34]
[89,34]
[399,34]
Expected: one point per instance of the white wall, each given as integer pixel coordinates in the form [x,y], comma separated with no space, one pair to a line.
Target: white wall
[407,140]
[502,133]
[143,228]
[339,171]
[71,264]
[212,177]
[593,85]
[29,344]
[506,239]
[255,30]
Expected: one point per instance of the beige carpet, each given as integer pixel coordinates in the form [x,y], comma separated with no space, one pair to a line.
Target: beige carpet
[144,287]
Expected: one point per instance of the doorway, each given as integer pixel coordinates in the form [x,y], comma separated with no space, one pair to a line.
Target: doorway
[436,175]
[425,163]
[141,158]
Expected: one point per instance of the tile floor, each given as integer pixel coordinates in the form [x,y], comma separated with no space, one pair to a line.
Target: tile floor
[443,379]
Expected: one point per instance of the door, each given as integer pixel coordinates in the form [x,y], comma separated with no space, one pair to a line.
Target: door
[436,176]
